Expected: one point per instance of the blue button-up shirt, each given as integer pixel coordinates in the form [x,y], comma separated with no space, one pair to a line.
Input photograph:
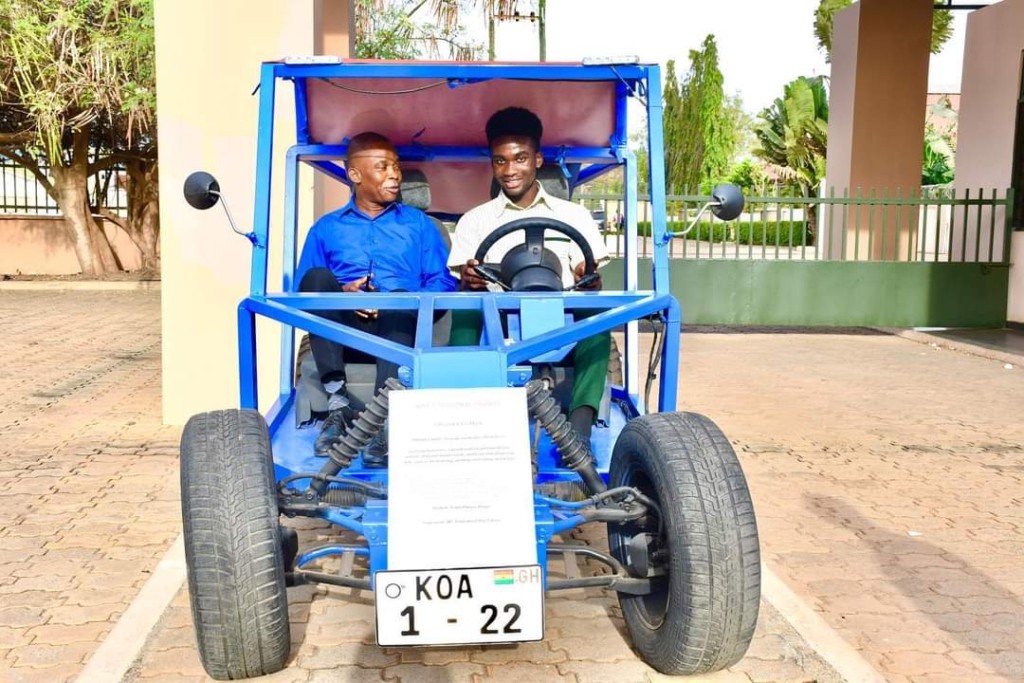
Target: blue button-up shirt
[401,246]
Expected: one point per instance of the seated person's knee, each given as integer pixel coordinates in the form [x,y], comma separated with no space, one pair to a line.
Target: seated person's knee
[319,280]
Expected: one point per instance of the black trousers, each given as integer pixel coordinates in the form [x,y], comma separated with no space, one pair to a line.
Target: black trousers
[396,326]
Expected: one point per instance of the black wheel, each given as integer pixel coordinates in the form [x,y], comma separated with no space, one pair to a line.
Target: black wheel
[304,350]
[233,545]
[701,616]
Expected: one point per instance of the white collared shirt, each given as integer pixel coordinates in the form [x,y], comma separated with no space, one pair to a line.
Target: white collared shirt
[481,221]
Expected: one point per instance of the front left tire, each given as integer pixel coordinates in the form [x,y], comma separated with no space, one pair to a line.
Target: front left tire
[233,545]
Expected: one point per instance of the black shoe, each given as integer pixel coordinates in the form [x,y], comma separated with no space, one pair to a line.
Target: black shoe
[375,455]
[334,428]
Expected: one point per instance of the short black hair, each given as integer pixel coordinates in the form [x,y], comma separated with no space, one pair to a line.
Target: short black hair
[365,141]
[515,122]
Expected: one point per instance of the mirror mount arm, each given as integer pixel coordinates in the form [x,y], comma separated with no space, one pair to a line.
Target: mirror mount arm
[251,236]
[703,210]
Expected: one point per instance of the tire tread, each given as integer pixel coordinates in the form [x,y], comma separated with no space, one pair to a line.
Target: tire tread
[714,555]
[232,545]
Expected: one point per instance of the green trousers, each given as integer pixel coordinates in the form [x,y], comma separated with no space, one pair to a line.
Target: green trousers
[589,358]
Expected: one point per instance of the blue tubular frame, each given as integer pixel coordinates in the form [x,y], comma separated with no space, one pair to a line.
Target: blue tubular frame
[318,155]
[460,74]
[496,361]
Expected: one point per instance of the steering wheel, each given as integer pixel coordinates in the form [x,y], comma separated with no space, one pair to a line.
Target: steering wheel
[529,266]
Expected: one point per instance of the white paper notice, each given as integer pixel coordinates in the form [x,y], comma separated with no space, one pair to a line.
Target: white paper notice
[460,483]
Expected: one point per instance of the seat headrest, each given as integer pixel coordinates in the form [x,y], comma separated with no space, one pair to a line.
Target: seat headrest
[415,189]
[551,179]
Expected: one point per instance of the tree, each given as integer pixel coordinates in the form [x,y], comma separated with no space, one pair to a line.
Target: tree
[741,125]
[939,164]
[793,137]
[700,127]
[942,26]
[387,29]
[749,177]
[137,156]
[74,73]
[678,144]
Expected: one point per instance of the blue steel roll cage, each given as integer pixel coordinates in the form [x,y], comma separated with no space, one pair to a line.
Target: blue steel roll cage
[496,362]
[292,310]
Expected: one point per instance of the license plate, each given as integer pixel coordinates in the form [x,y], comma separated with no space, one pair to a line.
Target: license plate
[459,606]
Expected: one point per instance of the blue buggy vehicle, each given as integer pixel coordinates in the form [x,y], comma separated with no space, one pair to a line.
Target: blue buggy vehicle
[683,551]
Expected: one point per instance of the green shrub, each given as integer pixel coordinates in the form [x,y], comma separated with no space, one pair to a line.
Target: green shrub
[747,232]
[720,231]
[765,232]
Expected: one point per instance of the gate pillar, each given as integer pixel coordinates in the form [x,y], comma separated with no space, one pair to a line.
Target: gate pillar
[877,107]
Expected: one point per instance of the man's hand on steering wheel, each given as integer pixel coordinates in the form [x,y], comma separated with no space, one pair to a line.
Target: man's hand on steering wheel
[593,284]
[470,279]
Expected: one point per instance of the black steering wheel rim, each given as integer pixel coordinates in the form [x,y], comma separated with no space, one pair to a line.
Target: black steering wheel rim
[534,227]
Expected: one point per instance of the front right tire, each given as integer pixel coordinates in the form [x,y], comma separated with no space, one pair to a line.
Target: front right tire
[702,614]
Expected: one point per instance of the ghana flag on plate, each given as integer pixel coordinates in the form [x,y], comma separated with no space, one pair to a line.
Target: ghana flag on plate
[503,577]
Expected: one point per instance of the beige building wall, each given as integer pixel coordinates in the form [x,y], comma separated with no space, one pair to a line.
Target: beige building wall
[208,62]
[993,56]
[878,94]
[337,30]
[40,245]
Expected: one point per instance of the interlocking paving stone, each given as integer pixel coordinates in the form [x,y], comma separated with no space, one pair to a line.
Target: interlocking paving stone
[875,463]
[88,492]
[887,481]
[585,641]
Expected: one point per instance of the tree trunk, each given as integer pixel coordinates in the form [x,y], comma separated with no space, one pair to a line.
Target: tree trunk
[95,257]
[72,199]
[811,215]
[143,224]
[100,241]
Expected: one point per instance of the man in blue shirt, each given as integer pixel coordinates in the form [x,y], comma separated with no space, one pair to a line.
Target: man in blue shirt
[371,244]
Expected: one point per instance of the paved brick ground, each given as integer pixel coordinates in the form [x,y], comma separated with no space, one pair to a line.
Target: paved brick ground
[88,476]
[887,477]
[585,642]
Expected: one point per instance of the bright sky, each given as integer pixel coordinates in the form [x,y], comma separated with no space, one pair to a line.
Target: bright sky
[762,44]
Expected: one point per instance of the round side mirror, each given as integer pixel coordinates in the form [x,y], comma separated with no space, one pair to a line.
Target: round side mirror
[201,190]
[729,200]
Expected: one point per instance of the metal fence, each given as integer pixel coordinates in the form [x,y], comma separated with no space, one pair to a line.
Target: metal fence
[939,224]
[21,193]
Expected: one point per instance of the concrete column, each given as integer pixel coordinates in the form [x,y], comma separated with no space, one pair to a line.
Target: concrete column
[992,85]
[1015,295]
[208,57]
[877,107]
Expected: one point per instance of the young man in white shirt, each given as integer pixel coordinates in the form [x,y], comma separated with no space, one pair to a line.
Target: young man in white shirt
[514,135]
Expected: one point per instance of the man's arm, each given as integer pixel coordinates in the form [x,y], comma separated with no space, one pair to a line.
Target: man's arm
[465,242]
[434,275]
[313,255]
[585,225]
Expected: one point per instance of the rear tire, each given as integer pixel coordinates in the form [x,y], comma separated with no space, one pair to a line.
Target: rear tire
[702,616]
[233,545]
[304,350]
[615,365]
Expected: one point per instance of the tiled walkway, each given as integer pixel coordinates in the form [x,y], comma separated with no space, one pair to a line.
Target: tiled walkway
[887,477]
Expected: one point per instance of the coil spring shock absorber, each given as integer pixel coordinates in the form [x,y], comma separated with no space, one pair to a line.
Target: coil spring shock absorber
[367,425]
[575,450]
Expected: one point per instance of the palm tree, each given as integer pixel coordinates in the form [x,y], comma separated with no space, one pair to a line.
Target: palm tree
[793,137]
